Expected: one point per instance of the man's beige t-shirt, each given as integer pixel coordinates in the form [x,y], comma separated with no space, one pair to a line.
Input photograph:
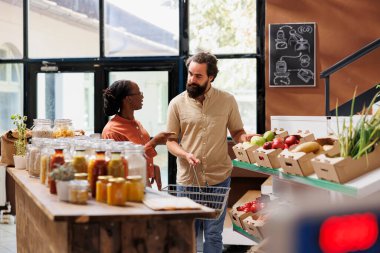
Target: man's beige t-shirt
[202,131]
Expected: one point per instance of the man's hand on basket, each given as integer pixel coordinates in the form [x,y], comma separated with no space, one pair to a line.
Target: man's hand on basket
[192,160]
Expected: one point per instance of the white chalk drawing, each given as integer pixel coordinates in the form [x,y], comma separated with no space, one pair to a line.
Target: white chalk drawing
[281,40]
[292,55]
[305,60]
[282,72]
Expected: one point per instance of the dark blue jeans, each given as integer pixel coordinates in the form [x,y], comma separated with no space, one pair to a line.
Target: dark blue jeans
[211,229]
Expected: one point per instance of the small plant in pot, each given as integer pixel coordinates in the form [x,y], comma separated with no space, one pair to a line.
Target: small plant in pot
[21,142]
[62,176]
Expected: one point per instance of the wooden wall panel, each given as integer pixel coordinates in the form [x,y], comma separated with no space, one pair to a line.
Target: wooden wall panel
[343,27]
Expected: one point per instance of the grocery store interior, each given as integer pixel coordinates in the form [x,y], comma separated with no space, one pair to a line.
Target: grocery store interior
[298,68]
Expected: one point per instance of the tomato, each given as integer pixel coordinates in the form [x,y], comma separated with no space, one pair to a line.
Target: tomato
[246,210]
[253,208]
[239,208]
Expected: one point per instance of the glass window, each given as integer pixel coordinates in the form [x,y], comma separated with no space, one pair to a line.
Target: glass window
[11,94]
[56,93]
[11,23]
[154,85]
[63,29]
[238,77]
[141,28]
[222,26]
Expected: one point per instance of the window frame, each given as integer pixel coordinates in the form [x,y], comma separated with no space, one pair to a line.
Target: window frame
[101,65]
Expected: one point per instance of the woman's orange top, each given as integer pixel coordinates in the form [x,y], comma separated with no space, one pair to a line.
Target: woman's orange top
[121,129]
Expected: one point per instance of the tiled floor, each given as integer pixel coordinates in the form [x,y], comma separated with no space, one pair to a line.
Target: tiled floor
[233,241]
[8,238]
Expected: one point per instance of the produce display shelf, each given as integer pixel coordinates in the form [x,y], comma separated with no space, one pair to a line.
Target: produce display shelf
[359,187]
[245,233]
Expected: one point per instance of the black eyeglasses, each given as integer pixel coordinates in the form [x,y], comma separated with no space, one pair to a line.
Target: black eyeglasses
[140,93]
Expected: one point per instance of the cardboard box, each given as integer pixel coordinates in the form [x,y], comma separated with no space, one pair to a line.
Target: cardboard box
[299,163]
[267,157]
[304,136]
[244,154]
[237,217]
[254,227]
[341,170]
[280,132]
[296,163]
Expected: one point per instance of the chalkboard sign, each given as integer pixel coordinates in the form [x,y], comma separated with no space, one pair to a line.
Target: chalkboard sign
[292,55]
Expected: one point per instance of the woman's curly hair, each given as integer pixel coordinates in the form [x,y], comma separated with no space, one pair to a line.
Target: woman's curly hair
[114,95]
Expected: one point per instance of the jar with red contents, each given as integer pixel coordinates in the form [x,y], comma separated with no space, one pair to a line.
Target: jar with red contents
[56,160]
[99,168]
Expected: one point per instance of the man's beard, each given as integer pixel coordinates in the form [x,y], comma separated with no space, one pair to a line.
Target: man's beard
[195,90]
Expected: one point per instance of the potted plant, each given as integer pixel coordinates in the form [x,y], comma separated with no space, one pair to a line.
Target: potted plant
[62,176]
[20,143]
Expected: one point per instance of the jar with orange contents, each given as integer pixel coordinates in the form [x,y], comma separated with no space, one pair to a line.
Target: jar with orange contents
[101,188]
[116,191]
[134,189]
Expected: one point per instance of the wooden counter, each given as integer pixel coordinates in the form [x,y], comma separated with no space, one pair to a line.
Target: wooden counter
[45,224]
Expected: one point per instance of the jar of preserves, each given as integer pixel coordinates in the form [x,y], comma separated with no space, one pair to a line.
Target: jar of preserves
[79,161]
[116,191]
[63,128]
[134,189]
[101,188]
[42,128]
[134,154]
[78,191]
[56,160]
[99,168]
[115,165]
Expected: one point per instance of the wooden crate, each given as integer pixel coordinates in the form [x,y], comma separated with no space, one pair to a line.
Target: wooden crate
[341,170]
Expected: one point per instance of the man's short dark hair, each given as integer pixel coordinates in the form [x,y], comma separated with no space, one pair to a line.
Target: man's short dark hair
[209,59]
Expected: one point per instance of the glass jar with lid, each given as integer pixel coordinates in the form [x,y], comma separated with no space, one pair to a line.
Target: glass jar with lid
[134,189]
[79,160]
[78,193]
[98,168]
[42,128]
[56,160]
[101,188]
[134,154]
[63,128]
[116,166]
[33,157]
[116,191]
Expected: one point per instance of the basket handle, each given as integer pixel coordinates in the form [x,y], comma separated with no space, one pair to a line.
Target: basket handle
[196,176]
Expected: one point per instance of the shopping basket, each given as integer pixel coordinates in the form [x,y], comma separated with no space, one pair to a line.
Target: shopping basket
[214,197]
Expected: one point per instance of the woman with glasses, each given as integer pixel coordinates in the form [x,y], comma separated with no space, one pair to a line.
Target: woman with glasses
[122,99]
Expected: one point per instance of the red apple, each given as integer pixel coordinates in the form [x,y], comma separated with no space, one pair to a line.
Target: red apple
[278,143]
[290,140]
[267,145]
